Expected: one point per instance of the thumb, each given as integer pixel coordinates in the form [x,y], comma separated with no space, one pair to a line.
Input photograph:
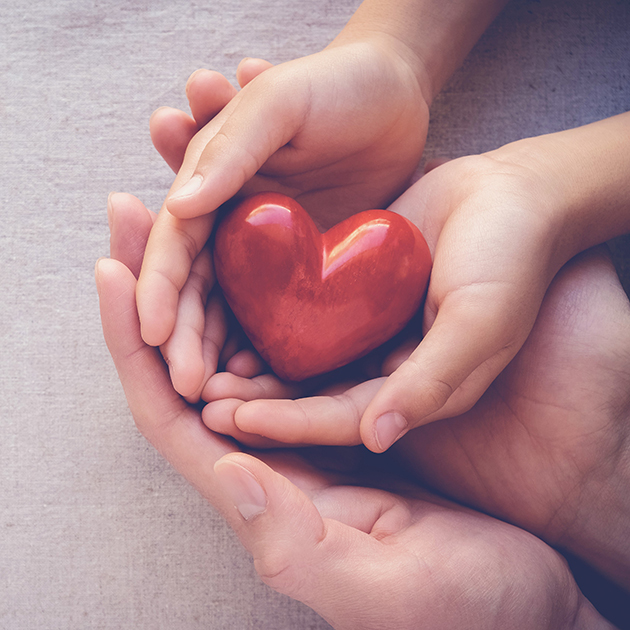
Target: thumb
[462,353]
[338,566]
[278,524]
[261,119]
[296,551]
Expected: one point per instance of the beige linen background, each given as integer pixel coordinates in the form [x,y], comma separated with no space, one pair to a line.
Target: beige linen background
[96,531]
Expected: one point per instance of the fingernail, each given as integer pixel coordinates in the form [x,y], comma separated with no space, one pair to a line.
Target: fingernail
[242,488]
[110,211]
[189,188]
[97,274]
[389,427]
[168,362]
[190,78]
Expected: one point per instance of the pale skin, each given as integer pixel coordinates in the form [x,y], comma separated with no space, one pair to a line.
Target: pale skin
[546,446]
[515,453]
[552,469]
[523,247]
[498,237]
[362,555]
[341,131]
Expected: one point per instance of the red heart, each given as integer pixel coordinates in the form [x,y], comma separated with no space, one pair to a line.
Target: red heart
[313,302]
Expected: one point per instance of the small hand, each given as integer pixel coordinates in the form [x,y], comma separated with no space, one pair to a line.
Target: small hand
[206,337]
[493,260]
[503,225]
[341,131]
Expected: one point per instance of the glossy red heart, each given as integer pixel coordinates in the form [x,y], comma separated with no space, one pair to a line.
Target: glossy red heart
[313,302]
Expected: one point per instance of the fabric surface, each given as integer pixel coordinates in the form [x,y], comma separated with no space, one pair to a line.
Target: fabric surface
[96,530]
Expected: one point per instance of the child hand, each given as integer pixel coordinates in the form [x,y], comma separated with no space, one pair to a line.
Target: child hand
[208,93]
[205,336]
[492,264]
[343,128]
[503,224]
[500,226]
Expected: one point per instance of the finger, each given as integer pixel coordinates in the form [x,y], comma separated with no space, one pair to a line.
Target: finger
[229,385]
[249,68]
[239,353]
[184,349]
[173,427]
[214,336]
[230,150]
[218,416]
[310,557]
[129,225]
[331,420]
[398,356]
[231,347]
[171,132]
[208,92]
[263,117]
[171,250]
[174,244]
[272,418]
[448,371]
[246,363]
[116,286]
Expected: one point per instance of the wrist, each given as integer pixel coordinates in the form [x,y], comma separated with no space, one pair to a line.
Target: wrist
[432,36]
[583,178]
[535,162]
[394,48]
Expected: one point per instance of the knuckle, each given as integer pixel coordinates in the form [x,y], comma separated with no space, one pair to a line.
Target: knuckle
[276,570]
[188,243]
[438,394]
[434,392]
[241,157]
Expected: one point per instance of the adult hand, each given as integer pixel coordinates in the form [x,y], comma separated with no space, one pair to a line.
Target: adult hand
[546,447]
[360,556]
